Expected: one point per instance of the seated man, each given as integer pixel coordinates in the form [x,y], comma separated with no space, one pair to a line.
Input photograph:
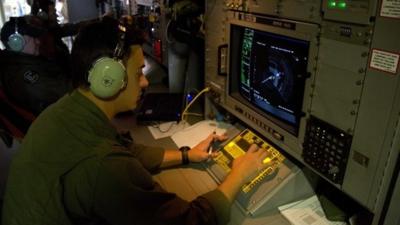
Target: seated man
[31,81]
[74,168]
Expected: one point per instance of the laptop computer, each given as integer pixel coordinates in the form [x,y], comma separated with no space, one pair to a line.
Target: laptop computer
[160,107]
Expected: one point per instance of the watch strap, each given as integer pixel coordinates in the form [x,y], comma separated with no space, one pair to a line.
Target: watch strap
[185,156]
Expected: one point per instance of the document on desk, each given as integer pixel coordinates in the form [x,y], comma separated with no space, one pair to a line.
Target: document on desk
[167,129]
[192,135]
[306,212]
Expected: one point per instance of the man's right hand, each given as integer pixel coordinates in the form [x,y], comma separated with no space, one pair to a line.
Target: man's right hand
[244,168]
[249,165]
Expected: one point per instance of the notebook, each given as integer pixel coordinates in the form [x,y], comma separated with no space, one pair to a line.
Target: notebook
[160,107]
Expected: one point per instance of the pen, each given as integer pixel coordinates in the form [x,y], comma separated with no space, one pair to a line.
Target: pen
[210,148]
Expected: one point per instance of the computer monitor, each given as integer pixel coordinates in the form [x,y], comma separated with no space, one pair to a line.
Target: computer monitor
[267,72]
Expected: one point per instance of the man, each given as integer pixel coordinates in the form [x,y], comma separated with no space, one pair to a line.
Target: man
[73,167]
[28,81]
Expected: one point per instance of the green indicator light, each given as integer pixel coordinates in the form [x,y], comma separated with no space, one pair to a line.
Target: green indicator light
[342,5]
[332,4]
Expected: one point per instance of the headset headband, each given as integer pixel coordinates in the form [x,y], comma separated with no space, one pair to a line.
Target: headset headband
[119,49]
[16,25]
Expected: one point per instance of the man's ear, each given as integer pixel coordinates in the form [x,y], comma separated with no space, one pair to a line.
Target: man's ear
[132,63]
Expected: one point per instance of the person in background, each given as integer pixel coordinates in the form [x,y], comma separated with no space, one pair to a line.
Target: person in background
[29,82]
[74,168]
[28,78]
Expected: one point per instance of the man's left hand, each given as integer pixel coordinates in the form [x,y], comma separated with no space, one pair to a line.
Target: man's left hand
[200,152]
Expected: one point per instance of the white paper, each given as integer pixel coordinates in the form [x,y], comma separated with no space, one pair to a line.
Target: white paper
[306,212]
[166,129]
[192,135]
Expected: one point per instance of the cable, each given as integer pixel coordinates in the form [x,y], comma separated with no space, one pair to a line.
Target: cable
[167,32]
[189,97]
[158,126]
[194,99]
[194,114]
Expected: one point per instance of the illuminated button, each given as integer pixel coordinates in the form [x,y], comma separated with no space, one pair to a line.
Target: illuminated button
[267,160]
[342,5]
[332,4]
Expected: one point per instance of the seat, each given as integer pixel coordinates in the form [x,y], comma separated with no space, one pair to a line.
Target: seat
[6,155]
[14,121]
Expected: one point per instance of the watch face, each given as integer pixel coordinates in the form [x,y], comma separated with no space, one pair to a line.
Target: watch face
[184,148]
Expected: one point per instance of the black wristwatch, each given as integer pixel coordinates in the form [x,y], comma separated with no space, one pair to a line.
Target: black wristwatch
[185,157]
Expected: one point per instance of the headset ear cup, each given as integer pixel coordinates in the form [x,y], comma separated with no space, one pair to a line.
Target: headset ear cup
[106,77]
[16,42]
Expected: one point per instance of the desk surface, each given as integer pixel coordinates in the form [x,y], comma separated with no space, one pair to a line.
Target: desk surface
[181,182]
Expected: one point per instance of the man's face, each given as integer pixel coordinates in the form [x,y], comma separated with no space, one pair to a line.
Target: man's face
[136,81]
[31,46]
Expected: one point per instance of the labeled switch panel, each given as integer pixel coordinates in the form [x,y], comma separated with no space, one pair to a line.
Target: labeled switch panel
[239,145]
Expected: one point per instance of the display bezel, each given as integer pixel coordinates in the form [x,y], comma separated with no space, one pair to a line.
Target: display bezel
[291,30]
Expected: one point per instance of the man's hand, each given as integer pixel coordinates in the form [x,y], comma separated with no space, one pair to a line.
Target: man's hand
[250,164]
[200,152]
[244,168]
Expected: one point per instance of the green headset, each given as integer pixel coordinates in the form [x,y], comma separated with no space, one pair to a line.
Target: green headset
[107,76]
[16,42]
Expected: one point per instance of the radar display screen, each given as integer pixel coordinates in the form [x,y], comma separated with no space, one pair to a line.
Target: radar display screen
[268,71]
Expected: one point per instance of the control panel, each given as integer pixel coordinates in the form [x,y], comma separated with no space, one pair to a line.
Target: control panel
[319,79]
[268,189]
[238,147]
[326,149]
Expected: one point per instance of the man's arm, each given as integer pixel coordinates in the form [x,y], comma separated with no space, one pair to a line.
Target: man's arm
[150,157]
[171,158]
[198,153]
[123,192]
[244,168]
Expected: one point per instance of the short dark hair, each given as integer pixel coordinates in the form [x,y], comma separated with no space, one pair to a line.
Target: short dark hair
[43,5]
[96,40]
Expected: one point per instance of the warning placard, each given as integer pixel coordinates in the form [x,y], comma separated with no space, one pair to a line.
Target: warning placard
[384,61]
[390,8]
